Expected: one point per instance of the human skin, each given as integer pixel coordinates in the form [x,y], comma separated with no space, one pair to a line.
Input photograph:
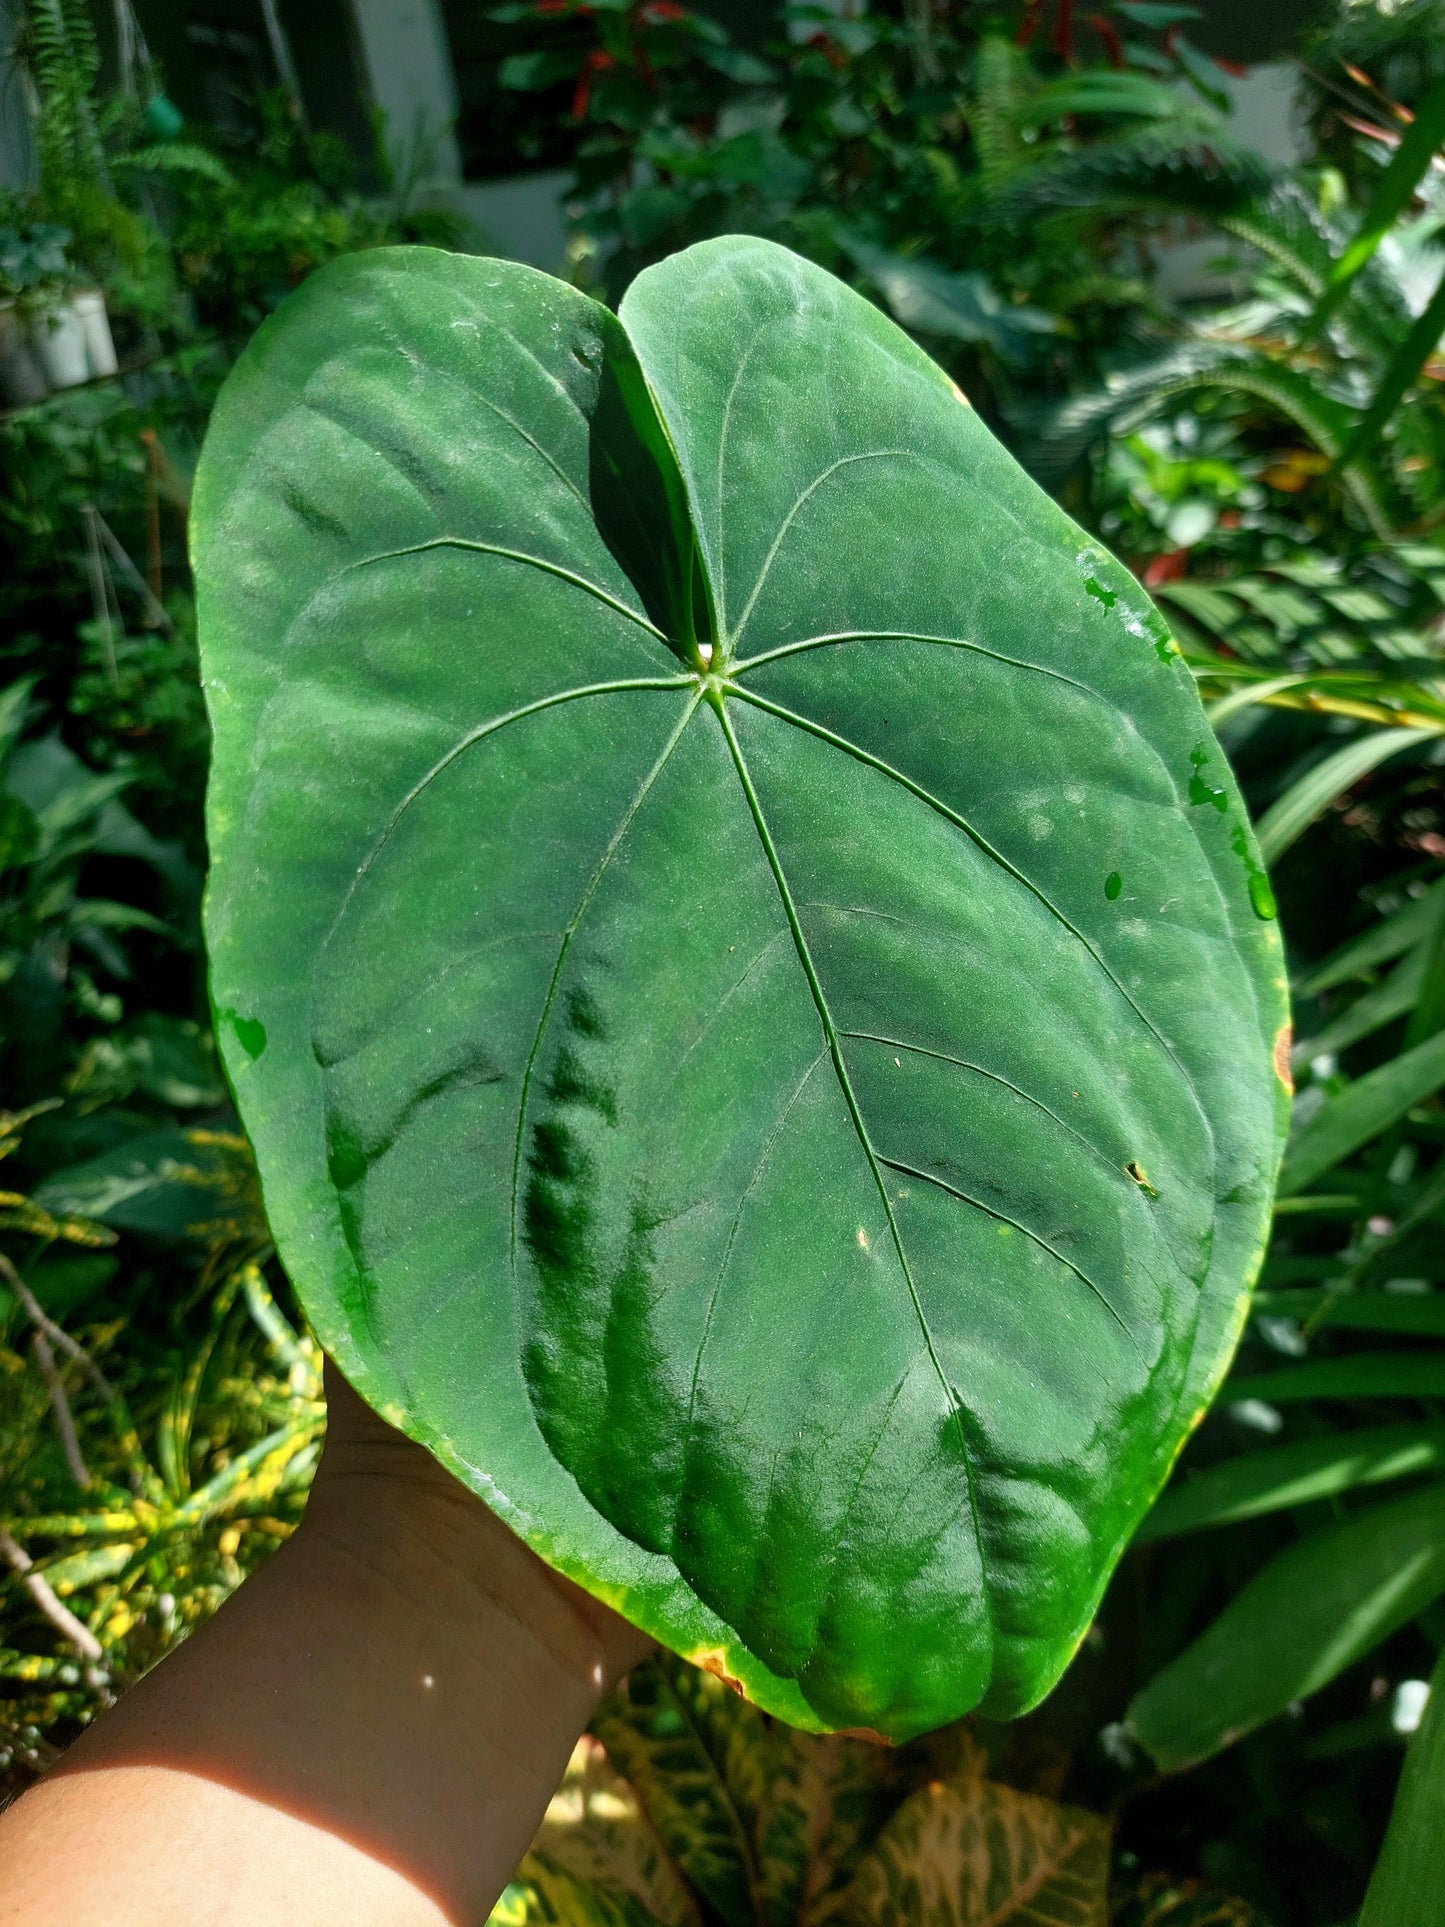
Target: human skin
[367,1732]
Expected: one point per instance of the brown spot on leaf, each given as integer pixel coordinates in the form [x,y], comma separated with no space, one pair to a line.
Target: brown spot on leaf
[864,1733]
[1141,1177]
[713,1663]
[1282,1045]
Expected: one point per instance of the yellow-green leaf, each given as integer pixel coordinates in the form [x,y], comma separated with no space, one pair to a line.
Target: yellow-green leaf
[596,1840]
[981,1855]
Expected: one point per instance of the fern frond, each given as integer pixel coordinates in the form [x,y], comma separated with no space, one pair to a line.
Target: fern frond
[996,101]
[1190,168]
[1288,228]
[1060,435]
[178,157]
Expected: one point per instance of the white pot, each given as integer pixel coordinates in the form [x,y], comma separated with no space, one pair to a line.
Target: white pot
[99,348]
[60,344]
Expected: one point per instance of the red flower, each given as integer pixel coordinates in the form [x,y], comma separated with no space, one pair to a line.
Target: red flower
[1167,568]
[596,63]
[830,50]
[1109,34]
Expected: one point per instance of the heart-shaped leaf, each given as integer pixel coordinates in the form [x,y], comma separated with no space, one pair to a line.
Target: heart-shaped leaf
[737,951]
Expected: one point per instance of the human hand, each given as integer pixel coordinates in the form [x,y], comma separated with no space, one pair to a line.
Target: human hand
[391,1505]
[366,1735]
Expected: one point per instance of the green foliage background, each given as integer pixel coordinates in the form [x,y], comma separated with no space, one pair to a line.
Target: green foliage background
[1268,460]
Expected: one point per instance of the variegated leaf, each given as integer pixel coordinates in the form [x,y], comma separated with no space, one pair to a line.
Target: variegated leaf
[596,1832]
[660,1732]
[547,1894]
[829,1799]
[981,1855]
[1159,1900]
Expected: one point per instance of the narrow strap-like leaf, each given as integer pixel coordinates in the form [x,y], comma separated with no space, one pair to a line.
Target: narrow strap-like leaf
[1393,191]
[1290,815]
[1312,1611]
[1404,365]
[1295,1474]
[1409,1877]
[1365,1108]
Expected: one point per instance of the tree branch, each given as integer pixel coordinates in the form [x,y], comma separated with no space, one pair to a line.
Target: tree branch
[60,1405]
[60,1616]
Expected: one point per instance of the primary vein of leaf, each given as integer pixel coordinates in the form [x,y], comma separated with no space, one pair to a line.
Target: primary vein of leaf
[514,555]
[907,635]
[843,461]
[477,735]
[964,1197]
[840,1069]
[943,1057]
[951,816]
[729,1805]
[613,845]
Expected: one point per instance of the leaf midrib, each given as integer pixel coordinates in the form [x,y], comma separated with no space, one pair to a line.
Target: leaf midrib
[840,1069]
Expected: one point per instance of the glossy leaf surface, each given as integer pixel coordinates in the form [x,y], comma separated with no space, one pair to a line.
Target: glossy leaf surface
[742,962]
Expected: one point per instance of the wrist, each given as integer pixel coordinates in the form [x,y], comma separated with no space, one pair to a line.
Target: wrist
[387,1508]
[449,1572]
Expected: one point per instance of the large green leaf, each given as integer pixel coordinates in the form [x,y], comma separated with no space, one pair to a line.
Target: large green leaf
[734,943]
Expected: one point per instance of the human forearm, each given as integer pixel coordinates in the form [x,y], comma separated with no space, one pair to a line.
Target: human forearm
[367,1733]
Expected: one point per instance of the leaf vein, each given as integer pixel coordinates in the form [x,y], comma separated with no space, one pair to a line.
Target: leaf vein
[964,1197]
[911,635]
[613,845]
[477,735]
[963,1063]
[835,1052]
[510,555]
[843,461]
[981,842]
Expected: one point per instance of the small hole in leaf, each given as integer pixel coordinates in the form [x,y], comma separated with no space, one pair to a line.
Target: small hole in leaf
[1140,1176]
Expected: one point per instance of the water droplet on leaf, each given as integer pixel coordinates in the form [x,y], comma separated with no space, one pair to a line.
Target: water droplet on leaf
[1113,884]
[1201,790]
[250,1032]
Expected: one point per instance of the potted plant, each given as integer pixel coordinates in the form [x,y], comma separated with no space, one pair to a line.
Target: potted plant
[31,256]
